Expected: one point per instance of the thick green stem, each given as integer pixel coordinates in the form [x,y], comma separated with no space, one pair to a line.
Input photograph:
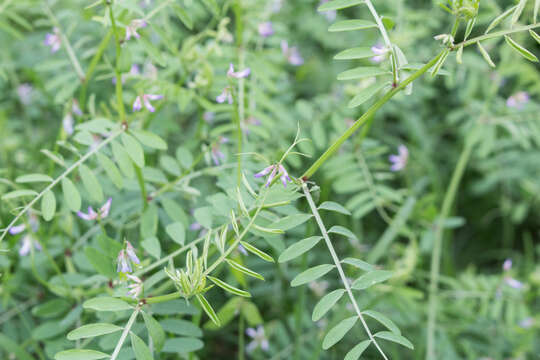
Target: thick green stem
[437,247]
[119,96]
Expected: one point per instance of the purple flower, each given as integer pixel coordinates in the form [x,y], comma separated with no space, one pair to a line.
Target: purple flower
[75,108]
[330,15]
[518,100]
[53,40]
[136,287]
[208,116]
[130,251]
[238,74]
[27,243]
[507,265]
[266,29]
[526,323]
[291,54]
[134,25]
[14,230]
[380,53]
[399,161]
[25,93]
[195,226]
[67,123]
[273,170]
[242,249]
[259,339]
[145,98]
[123,263]
[225,95]
[513,283]
[102,213]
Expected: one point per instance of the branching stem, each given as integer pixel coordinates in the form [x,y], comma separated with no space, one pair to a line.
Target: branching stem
[125,333]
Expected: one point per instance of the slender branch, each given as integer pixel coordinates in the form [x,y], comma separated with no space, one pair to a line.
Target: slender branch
[337,262]
[93,63]
[125,333]
[494,35]
[58,179]
[118,50]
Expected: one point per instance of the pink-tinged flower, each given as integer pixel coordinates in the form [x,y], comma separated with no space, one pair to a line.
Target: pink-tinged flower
[136,287]
[238,74]
[75,108]
[25,93]
[273,170]
[399,161]
[53,40]
[216,154]
[380,53]
[102,213]
[513,283]
[27,243]
[145,98]
[329,15]
[507,265]
[226,95]
[291,54]
[14,230]
[130,251]
[122,263]
[259,339]
[266,29]
[67,123]
[518,100]
[134,25]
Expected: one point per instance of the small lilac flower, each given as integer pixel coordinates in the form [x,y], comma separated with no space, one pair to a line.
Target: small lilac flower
[130,251]
[266,29]
[134,25]
[380,53]
[67,123]
[75,108]
[513,283]
[259,339]
[135,70]
[137,104]
[330,15]
[225,95]
[25,93]
[209,116]
[291,54]
[399,161]
[507,265]
[122,262]
[273,170]
[242,249]
[216,154]
[136,287]
[238,74]
[518,100]
[526,323]
[53,40]
[195,226]
[14,230]
[102,213]
[27,243]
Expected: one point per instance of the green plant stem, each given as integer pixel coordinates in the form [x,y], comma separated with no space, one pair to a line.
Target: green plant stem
[57,180]
[337,262]
[118,50]
[241,326]
[125,333]
[437,246]
[494,35]
[367,116]
[142,186]
[91,68]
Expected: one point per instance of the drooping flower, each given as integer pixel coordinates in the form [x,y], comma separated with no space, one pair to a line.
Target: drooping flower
[14,230]
[226,95]
[32,220]
[242,249]
[27,242]
[399,161]
[513,283]
[145,99]
[75,108]
[291,54]
[122,263]
[507,265]
[526,323]
[259,339]
[380,53]
[238,74]
[102,213]
[136,287]
[134,25]
[216,154]
[67,123]
[53,40]
[130,251]
[266,29]
[25,93]
[518,100]
[273,170]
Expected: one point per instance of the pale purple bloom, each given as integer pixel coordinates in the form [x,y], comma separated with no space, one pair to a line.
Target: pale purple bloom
[32,220]
[225,95]
[53,40]
[75,108]
[399,161]
[67,123]
[273,170]
[136,287]
[217,155]
[507,265]
[242,249]
[319,287]
[102,213]
[266,29]
[208,116]
[14,230]
[259,339]
[380,53]
[135,70]
[27,242]
[25,93]
[130,251]
[513,283]
[330,15]
[238,74]
[518,100]
[291,54]
[145,99]
[195,226]
[122,262]
[526,323]
[134,25]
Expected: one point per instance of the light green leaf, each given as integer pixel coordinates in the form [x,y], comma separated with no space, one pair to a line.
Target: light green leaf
[184,156]
[311,274]
[535,35]
[122,159]
[500,18]
[71,194]
[350,25]
[112,171]
[18,193]
[105,303]
[177,232]
[11,347]
[92,330]
[338,332]
[149,221]
[519,10]
[485,54]
[30,178]
[183,15]
[334,206]
[150,139]
[169,164]
[359,264]
[251,313]
[80,354]
[181,327]
[520,49]
[326,303]
[212,6]
[363,96]
[141,350]
[182,345]
[371,278]
[101,262]
[390,336]
[354,53]
[155,330]
[337,229]
[244,269]
[298,248]
[48,205]
[290,222]
[383,319]
[357,351]
[208,309]
[91,183]
[361,72]
[133,149]
[152,51]
[338,4]
[152,246]
[252,249]
[229,288]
